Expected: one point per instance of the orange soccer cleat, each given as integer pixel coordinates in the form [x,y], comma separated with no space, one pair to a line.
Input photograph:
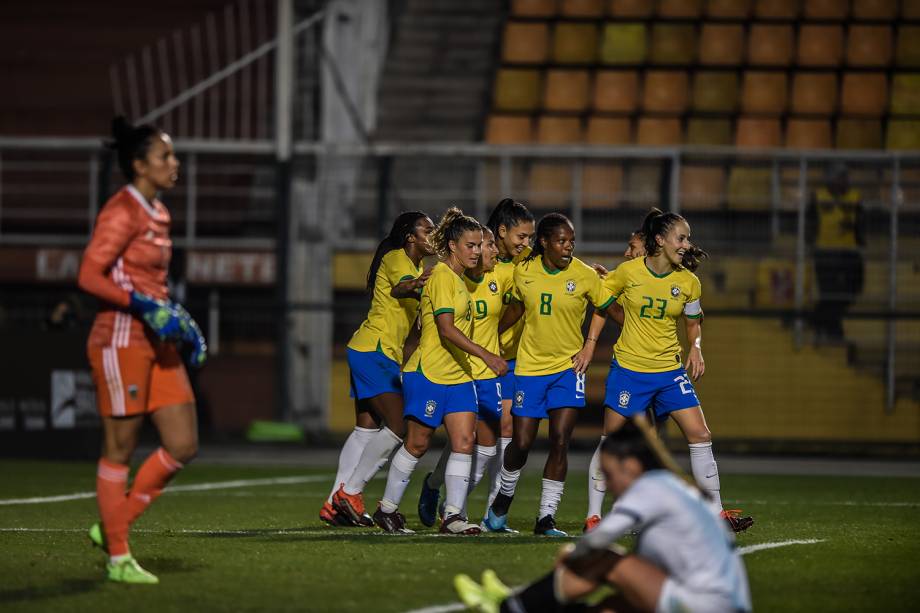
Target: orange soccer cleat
[352,507]
[591,522]
[735,521]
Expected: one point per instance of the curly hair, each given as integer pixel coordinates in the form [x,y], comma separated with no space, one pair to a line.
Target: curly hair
[452,225]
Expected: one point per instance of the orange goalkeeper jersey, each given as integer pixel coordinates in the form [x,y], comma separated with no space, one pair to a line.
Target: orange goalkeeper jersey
[130,250]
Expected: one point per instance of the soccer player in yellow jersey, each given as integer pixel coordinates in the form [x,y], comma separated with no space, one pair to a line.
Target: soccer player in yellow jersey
[375,356]
[655,291]
[487,284]
[552,291]
[438,378]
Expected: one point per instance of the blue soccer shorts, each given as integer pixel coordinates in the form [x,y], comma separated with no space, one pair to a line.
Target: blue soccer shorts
[630,392]
[372,373]
[507,381]
[428,402]
[489,396]
[536,396]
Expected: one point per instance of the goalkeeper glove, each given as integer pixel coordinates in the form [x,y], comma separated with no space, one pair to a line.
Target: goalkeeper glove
[161,316]
[194,337]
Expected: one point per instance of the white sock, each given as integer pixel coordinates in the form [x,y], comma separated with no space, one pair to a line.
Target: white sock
[113,560]
[401,469]
[375,455]
[349,456]
[483,457]
[706,473]
[597,485]
[436,480]
[456,482]
[495,481]
[509,479]
[550,497]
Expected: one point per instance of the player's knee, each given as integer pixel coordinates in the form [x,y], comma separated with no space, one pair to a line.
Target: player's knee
[699,435]
[184,451]
[463,443]
[398,428]
[417,444]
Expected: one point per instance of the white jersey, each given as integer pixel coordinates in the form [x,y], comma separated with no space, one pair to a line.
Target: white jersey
[679,533]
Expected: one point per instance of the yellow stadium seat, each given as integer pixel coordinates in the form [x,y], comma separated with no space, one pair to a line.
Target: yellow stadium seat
[673,44]
[665,91]
[869,46]
[624,43]
[558,130]
[764,92]
[631,8]
[864,94]
[814,93]
[702,131]
[550,183]
[858,134]
[525,43]
[517,90]
[658,131]
[905,94]
[721,44]
[808,134]
[566,90]
[581,8]
[903,135]
[770,45]
[509,130]
[758,132]
[533,8]
[679,8]
[875,9]
[616,90]
[715,92]
[820,45]
[574,43]
[702,188]
[776,9]
[643,184]
[749,188]
[826,9]
[908,53]
[738,9]
[608,131]
[601,185]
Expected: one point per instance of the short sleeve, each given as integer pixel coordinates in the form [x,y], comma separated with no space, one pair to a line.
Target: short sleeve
[396,269]
[615,282]
[599,295]
[440,289]
[694,309]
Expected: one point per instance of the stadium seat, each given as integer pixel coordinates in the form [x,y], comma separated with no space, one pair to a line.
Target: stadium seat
[875,9]
[869,46]
[864,94]
[550,183]
[770,45]
[908,52]
[525,43]
[910,9]
[616,91]
[820,45]
[776,9]
[517,90]
[558,130]
[858,134]
[808,134]
[825,9]
[574,43]
[631,8]
[581,8]
[715,92]
[749,188]
[814,93]
[672,44]
[509,130]
[721,44]
[701,131]
[643,184]
[905,94]
[533,8]
[702,188]
[680,9]
[658,131]
[903,135]
[665,91]
[623,43]
[758,132]
[737,9]
[764,92]
[601,185]
[566,90]
[608,131]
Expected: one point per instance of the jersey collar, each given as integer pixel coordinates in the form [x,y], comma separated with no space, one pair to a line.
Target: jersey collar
[652,272]
[139,197]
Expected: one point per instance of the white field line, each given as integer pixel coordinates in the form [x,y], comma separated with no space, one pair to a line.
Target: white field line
[833,503]
[231,532]
[193,487]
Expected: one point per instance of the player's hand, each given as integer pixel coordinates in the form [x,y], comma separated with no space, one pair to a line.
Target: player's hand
[419,281]
[695,366]
[194,338]
[600,270]
[161,316]
[582,359]
[496,364]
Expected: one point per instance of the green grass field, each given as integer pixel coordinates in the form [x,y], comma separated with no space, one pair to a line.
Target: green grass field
[259,546]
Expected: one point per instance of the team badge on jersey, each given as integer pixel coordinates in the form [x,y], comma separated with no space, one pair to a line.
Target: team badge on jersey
[430,407]
[132,391]
[493,286]
[519,399]
[675,291]
[624,399]
[570,286]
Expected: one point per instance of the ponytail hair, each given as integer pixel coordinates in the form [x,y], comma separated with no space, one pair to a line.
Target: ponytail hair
[508,213]
[131,143]
[546,227]
[403,227]
[658,223]
[452,225]
[693,256]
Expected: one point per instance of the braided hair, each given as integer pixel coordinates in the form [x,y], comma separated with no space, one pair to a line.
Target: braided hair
[131,143]
[403,227]
[508,213]
[546,227]
[452,225]
[658,223]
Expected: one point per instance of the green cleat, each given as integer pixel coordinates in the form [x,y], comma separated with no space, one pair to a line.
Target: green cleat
[475,596]
[493,586]
[97,537]
[129,571]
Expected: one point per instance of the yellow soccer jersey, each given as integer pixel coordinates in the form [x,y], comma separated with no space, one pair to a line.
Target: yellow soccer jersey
[488,305]
[653,304]
[388,321]
[511,338]
[439,360]
[554,310]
